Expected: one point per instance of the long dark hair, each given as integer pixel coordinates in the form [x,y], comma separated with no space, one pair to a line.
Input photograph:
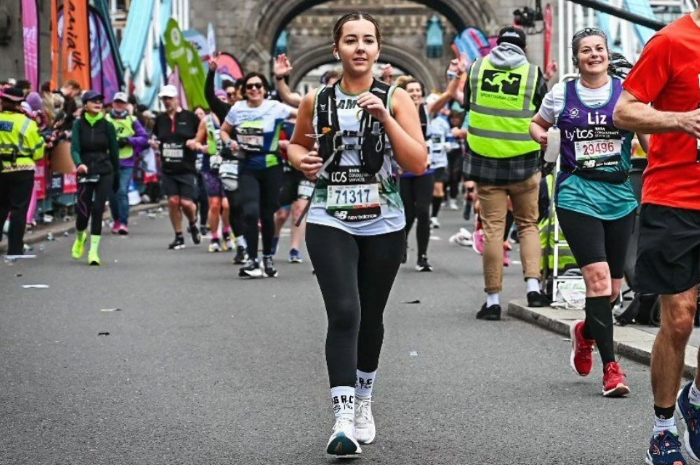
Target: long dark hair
[356,16]
[251,75]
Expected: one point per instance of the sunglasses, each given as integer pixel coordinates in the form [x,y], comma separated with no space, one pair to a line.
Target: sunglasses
[256,85]
[97,102]
[231,94]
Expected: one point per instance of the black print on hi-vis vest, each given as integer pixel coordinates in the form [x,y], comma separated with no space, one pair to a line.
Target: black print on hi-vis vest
[353,195]
[501,82]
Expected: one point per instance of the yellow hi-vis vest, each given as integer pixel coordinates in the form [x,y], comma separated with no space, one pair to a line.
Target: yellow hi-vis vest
[501,109]
[125,128]
[20,142]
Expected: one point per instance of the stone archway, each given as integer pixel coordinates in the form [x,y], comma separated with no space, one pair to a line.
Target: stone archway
[320,55]
[274,15]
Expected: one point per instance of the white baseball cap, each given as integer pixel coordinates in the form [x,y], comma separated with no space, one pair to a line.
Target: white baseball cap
[168,91]
[121,97]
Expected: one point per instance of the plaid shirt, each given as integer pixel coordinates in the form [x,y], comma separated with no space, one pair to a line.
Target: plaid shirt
[501,171]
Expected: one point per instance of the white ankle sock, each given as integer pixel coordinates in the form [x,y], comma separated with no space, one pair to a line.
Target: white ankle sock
[694,395]
[240,242]
[365,384]
[493,299]
[665,425]
[533,285]
[343,398]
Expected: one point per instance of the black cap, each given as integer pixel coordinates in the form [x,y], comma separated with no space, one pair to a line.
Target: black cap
[13,94]
[91,95]
[512,35]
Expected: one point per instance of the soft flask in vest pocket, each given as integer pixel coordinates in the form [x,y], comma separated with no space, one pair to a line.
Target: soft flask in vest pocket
[373,142]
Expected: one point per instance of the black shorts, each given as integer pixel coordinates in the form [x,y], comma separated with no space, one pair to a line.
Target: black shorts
[668,257]
[593,240]
[180,185]
[296,187]
[440,174]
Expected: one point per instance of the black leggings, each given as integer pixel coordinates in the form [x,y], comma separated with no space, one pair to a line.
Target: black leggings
[93,207]
[235,212]
[593,240]
[454,172]
[355,274]
[417,195]
[15,195]
[260,194]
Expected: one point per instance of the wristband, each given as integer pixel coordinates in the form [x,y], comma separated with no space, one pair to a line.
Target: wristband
[279,78]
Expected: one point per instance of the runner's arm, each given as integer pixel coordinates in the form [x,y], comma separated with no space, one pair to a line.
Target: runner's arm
[405,134]
[301,153]
[201,137]
[634,115]
[538,129]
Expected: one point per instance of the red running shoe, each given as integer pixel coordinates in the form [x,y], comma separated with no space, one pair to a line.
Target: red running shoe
[581,350]
[614,384]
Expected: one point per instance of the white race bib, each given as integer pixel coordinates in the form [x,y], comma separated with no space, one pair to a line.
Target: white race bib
[306,189]
[251,140]
[173,153]
[228,168]
[353,196]
[590,149]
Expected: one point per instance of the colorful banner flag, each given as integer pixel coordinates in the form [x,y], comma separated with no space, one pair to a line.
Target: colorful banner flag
[76,42]
[55,49]
[211,40]
[104,66]
[181,54]
[30,23]
[228,67]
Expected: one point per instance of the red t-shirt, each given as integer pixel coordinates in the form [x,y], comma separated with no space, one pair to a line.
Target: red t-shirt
[667,75]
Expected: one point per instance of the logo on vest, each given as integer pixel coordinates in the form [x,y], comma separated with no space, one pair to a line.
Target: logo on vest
[574,113]
[501,82]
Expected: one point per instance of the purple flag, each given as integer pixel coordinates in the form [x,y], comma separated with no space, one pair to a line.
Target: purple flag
[30,23]
[105,78]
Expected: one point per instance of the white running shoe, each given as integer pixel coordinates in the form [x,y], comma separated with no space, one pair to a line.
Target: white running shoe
[434,222]
[342,442]
[463,238]
[365,431]
[453,204]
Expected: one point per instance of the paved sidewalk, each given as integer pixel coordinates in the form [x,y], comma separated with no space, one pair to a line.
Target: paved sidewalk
[632,341]
[59,228]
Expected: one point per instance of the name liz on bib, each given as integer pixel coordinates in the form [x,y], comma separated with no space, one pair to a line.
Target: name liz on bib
[598,144]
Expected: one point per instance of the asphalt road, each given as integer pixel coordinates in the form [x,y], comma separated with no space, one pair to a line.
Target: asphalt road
[200,367]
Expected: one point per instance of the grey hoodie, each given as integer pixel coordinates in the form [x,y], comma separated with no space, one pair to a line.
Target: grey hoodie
[507,56]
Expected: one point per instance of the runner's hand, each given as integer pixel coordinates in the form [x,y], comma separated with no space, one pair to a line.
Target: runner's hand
[82,169]
[374,106]
[282,67]
[690,123]
[311,164]
[154,143]
[191,144]
[544,138]
[213,65]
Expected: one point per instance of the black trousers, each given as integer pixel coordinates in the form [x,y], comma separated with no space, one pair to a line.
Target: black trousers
[260,196]
[355,274]
[417,195]
[91,203]
[15,195]
[454,172]
[235,211]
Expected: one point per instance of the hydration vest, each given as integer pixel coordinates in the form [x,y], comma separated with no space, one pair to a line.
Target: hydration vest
[372,136]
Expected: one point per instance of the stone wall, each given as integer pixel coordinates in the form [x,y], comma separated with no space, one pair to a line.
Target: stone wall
[12,62]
